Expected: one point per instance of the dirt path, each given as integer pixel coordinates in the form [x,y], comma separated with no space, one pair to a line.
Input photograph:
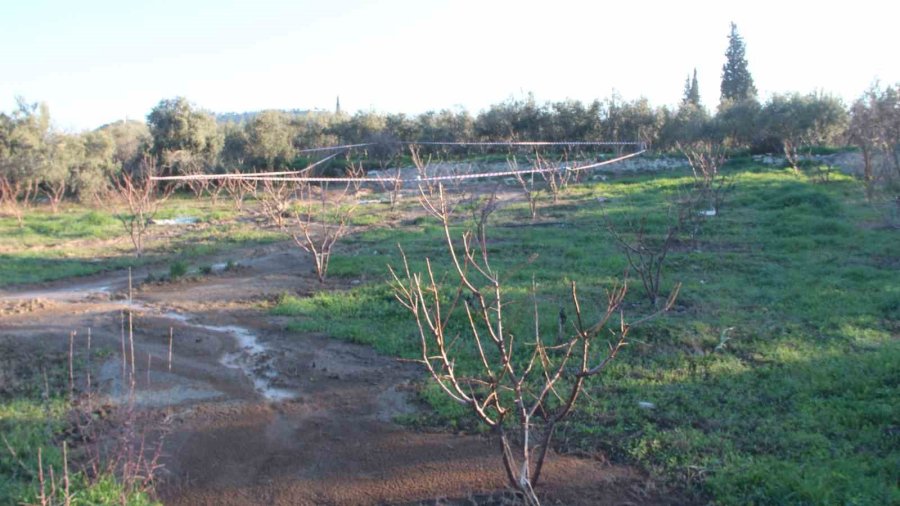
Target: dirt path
[261,416]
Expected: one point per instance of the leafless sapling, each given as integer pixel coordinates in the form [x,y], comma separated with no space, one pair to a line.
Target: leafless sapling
[705,159]
[646,251]
[432,189]
[355,171]
[318,219]
[136,198]
[530,187]
[276,199]
[238,189]
[522,389]
[54,190]
[16,196]
[392,185]
[188,164]
[390,173]
[556,175]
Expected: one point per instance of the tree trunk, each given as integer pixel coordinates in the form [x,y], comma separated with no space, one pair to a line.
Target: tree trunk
[867,169]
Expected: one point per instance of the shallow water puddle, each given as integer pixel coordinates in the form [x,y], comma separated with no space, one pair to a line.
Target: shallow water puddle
[252,357]
[178,220]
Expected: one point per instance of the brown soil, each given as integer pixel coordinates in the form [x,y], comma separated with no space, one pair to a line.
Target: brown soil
[331,442]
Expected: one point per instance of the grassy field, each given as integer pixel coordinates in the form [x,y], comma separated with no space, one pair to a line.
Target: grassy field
[775,380]
[79,241]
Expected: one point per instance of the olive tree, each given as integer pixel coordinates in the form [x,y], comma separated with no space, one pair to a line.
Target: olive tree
[62,153]
[801,121]
[22,156]
[269,139]
[91,178]
[177,126]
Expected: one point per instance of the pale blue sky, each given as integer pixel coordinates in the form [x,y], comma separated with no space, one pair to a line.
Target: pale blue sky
[98,61]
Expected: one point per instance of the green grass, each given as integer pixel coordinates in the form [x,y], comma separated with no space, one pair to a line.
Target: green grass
[774,382]
[79,241]
[797,406]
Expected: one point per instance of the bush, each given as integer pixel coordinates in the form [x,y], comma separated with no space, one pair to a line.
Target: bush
[178,269]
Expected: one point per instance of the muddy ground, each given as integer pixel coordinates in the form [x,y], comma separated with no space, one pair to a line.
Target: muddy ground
[258,415]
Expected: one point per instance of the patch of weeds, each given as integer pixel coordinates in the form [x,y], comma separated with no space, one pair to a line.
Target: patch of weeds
[366,315]
[177,269]
[35,418]
[289,305]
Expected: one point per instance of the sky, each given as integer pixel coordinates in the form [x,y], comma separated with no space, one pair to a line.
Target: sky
[97,61]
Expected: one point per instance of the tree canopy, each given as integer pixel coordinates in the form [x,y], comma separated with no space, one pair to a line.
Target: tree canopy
[181,133]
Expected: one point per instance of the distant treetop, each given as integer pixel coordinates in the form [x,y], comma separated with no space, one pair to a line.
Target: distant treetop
[243,117]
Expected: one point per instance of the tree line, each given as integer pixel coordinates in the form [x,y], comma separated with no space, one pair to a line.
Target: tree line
[179,138]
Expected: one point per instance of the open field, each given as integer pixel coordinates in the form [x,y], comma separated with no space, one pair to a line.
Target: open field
[773,380]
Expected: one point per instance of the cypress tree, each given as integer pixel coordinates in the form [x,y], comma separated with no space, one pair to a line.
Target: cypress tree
[691,91]
[737,83]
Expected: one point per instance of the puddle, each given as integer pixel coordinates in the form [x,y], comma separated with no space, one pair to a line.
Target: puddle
[178,220]
[252,357]
[165,391]
[73,293]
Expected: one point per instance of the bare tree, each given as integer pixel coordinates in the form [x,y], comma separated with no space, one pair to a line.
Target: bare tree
[705,159]
[393,186]
[238,189]
[16,196]
[426,183]
[276,200]
[319,220]
[356,172]
[54,189]
[188,164]
[692,211]
[646,256]
[214,189]
[431,189]
[521,389]
[530,188]
[556,176]
[136,199]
